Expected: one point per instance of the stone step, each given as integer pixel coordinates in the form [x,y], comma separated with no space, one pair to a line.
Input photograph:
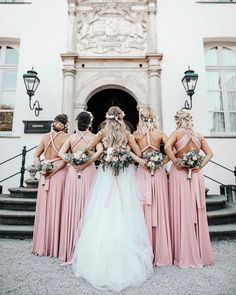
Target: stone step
[223,231]
[19,204]
[216,202]
[23,192]
[11,217]
[222,216]
[210,196]
[16,231]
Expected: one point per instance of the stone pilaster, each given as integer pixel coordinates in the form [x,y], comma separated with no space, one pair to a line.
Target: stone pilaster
[71,26]
[154,85]
[69,72]
[152,34]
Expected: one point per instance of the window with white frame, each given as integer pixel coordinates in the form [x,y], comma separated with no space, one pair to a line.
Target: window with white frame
[221,82]
[8,76]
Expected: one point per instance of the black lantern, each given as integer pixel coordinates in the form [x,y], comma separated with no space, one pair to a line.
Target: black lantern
[189,82]
[31,84]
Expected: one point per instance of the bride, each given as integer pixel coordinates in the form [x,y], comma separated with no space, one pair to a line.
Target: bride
[114,251]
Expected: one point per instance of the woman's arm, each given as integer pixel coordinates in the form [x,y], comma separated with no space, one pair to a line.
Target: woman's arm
[95,141]
[38,152]
[65,147]
[169,147]
[208,154]
[141,161]
[133,144]
[164,140]
[93,158]
[56,168]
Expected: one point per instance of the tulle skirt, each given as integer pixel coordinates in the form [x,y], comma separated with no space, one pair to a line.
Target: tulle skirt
[47,222]
[114,250]
[189,227]
[75,197]
[154,196]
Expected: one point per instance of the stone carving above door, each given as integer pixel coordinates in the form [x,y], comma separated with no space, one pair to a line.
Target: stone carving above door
[112,28]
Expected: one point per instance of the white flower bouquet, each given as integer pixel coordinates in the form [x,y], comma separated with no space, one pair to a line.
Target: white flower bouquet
[77,158]
[154,160]
[118,159]
[192,159]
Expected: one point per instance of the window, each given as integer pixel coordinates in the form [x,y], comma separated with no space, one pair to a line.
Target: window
[8,76]
[217,1]
[221,82]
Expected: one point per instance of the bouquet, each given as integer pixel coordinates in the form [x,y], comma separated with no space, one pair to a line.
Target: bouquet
[118,159]
[77,158]
[154,160]
[192,160]
[45,168]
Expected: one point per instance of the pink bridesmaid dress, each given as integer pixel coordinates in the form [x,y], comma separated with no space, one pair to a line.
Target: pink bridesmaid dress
[154,195]
[189,228]
[47,222]
[75,199]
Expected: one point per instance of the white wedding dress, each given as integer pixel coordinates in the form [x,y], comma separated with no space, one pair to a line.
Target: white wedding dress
[114,251]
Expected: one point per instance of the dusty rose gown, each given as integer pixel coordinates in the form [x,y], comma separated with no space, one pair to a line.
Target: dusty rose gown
[154,195]
[47,222]
[75,198]
[189,227]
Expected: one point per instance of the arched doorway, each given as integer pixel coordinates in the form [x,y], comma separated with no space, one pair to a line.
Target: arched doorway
[101,101]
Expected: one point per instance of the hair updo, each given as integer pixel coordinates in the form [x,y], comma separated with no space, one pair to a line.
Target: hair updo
[60,123]
[184,119]
[84,120]
[147,120]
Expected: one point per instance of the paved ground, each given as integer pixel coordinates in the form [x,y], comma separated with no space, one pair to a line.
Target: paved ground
[24,273]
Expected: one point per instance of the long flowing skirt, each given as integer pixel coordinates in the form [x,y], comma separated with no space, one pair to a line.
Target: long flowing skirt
[114,250]
[75,198]
[47,222]
[154,195]
[189,228]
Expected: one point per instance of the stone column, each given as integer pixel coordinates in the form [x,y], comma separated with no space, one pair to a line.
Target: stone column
[71,26]
[152,32]
[154,85]
[68,95]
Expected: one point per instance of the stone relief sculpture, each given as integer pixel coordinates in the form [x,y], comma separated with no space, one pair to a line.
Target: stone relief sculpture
[111,27]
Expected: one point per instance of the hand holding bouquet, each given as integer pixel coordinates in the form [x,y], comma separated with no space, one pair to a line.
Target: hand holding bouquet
[116,158]
[77,158]
[45,169]
[192,160]
[154,160]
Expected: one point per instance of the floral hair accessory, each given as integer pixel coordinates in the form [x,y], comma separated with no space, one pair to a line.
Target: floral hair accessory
[115,117]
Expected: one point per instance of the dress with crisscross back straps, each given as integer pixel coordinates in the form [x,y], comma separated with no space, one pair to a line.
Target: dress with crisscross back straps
[154,196]
[75,199]
[48,208]
[189,228]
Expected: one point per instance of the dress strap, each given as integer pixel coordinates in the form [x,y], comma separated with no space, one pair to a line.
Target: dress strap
[149,145]
[51,141]
[81,135]
[183,141]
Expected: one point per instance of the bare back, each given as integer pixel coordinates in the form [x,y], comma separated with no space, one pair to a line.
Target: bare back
[50,145]
[80,140]
[148,142]
[188,143]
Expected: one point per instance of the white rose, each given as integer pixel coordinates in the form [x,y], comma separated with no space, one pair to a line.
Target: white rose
[195,158]
[109,150]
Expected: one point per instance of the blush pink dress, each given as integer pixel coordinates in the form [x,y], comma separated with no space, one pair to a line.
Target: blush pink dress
[47,222]
[75,199]
[154,196]
[189,228]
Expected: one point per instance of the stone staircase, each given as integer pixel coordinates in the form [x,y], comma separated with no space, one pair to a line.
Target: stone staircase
[221,217]
[17,211]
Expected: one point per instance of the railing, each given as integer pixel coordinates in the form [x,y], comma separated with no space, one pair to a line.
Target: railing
[22,169]
[222,166]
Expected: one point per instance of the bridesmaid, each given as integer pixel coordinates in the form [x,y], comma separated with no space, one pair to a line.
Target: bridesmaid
[48,207]
[189,227]
[154,189]
[76,189]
